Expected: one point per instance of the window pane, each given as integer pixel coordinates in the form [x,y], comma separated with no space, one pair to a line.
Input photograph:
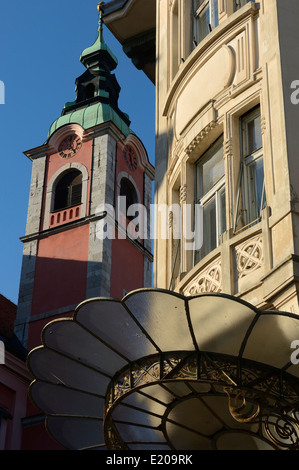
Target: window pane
[254,135]
[197,4]
[210,169]
[206,18]
[210,192]
[222,211]
[209,227]
[240,3]
[203,24]
[214,13]
[257,194]
[209,230]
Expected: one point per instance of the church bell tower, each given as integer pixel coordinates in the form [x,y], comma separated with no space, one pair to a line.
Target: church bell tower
[74,248]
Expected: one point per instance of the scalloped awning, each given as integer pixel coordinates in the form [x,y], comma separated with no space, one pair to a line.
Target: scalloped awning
[157,370]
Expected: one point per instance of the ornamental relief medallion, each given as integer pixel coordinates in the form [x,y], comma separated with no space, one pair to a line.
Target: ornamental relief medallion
[210,280]
[249,256]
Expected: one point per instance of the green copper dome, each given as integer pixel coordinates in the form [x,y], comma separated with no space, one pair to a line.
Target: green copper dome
[91,116]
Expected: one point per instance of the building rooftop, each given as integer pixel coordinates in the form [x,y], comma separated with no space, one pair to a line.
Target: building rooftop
[8,312]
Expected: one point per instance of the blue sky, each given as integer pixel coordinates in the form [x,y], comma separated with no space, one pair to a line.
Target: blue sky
[40,46]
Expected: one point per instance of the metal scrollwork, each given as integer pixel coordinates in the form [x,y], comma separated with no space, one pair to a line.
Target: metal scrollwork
[238,412]
[283,431]
[253,395]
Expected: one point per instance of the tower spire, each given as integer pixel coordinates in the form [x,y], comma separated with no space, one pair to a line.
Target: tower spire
[100,28]
[97,88]
[99,49]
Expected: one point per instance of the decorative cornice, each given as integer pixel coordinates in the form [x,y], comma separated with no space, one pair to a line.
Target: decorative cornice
[196,141]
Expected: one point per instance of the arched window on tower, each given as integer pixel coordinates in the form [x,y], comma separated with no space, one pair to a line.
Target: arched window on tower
[68,190]
[128,191]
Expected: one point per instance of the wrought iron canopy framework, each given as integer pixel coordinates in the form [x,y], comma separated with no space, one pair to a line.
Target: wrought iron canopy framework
[160,371]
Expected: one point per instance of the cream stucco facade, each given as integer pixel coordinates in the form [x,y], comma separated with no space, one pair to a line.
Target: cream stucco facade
[203,92]
[216,62]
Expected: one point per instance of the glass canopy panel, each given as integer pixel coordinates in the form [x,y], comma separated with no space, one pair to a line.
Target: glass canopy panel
[183,439]
[242,441]
[53,367]
[59,400]
[110,321]
[77,433]
[130,433]
[271,338]
[129,415]
[196,416]
[144,403]
[155,392]
[177,388]
[197,423]
[222,416]
[163,316]
[293,369]
[219,323]
[69,338]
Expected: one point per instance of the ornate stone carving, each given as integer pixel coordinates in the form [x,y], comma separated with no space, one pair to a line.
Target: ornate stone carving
[263,125]
[249,256]
[183,193]
[228,147]
[200,137]
[178,147]
[210,280]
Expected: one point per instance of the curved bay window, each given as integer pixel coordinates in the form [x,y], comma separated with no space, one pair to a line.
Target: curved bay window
[210,194]
[68,190]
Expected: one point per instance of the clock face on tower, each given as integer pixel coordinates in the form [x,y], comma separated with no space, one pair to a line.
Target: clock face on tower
[130,157]
[69,146]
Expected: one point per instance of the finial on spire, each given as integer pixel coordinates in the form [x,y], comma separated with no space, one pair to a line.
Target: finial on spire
[100,10]
[99,6]
[99,51]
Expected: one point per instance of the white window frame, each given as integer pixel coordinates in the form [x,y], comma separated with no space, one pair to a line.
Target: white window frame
[214,192]
[213,21]
[175,35]
[253,213]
